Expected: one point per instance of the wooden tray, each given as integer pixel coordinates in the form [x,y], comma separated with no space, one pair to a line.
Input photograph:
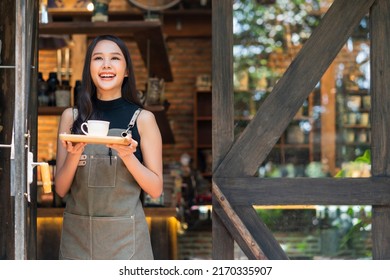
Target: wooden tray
[75,138]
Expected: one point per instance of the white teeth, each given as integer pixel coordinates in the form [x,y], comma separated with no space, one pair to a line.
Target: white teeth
[107,76]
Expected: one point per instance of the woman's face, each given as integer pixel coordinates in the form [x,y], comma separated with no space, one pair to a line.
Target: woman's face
[108,69]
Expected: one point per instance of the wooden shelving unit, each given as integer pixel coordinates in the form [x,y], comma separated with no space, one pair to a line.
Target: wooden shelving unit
[203,132]
[302,151]
[354,124]
[288,149]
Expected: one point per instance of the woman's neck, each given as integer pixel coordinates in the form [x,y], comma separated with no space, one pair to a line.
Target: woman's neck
[107,96]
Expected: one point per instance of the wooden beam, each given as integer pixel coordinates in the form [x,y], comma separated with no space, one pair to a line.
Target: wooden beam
[177,23]
[154,53]
[380,232]
[223,106]
[380,114]
[234,231]
[289,93]
[253,236]
[263,236]
[223,241]
[98,28]
[306,191]
[236,227]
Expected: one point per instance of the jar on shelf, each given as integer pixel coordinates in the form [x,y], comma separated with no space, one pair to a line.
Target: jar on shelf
[76,91]
[63,94]
[52,83]
[43,99]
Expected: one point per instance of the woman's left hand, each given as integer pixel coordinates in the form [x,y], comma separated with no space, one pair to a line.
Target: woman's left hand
[124,151]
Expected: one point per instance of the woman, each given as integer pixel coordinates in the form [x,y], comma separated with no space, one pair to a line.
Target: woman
[104,218]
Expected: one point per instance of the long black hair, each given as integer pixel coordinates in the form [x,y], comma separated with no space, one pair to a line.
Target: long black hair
[85,105]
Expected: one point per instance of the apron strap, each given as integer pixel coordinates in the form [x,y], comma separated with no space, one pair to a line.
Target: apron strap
[134,118]
[75,113]
[132,122]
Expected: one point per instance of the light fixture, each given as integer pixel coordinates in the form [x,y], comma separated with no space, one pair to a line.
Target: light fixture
[90,6]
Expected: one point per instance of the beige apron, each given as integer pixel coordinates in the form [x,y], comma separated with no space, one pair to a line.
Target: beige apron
[104,217]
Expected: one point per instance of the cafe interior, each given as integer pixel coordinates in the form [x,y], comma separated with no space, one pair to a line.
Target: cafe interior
[171,47]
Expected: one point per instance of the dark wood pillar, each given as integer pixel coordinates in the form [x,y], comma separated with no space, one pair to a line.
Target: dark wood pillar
[380,115]
[7,101]
[223,109]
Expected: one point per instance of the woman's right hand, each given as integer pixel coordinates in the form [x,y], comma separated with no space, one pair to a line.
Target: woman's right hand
[68,155]
[76,149]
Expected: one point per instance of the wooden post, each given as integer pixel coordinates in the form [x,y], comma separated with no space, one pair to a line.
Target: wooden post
[223,109]
[7,77]
[380,114]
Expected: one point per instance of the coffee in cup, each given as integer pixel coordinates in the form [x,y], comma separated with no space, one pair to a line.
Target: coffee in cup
[95,128]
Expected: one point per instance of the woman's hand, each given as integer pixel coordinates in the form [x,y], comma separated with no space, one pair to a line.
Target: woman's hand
[68,155]
[125,151]
[76,149]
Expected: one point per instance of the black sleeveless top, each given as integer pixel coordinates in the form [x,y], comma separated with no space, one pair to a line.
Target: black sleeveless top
[119,113]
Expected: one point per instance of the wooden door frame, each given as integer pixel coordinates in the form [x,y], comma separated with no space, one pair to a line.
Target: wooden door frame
[7,104]
[18,76]
[235,189]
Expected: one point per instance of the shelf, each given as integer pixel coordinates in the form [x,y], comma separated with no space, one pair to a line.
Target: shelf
[362,110]
[203,132]
[357,126]
[207,174]
[357,92]
[50,111]
[204,146]
[293,146]
[201,90]
[357,144]
[204,118]
[146,34]
[243,118]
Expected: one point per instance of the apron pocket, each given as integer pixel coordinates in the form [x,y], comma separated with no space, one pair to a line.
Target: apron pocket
[113,238]
[75,241]
[102,171]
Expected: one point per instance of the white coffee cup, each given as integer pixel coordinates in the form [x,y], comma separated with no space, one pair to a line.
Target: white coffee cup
[95,128]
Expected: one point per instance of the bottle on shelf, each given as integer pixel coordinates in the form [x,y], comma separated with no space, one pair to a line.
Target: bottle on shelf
[43,99]
[53,84]
[62,94]
[76,91]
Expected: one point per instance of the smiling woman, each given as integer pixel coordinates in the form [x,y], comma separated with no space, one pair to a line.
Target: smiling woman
[104,182]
